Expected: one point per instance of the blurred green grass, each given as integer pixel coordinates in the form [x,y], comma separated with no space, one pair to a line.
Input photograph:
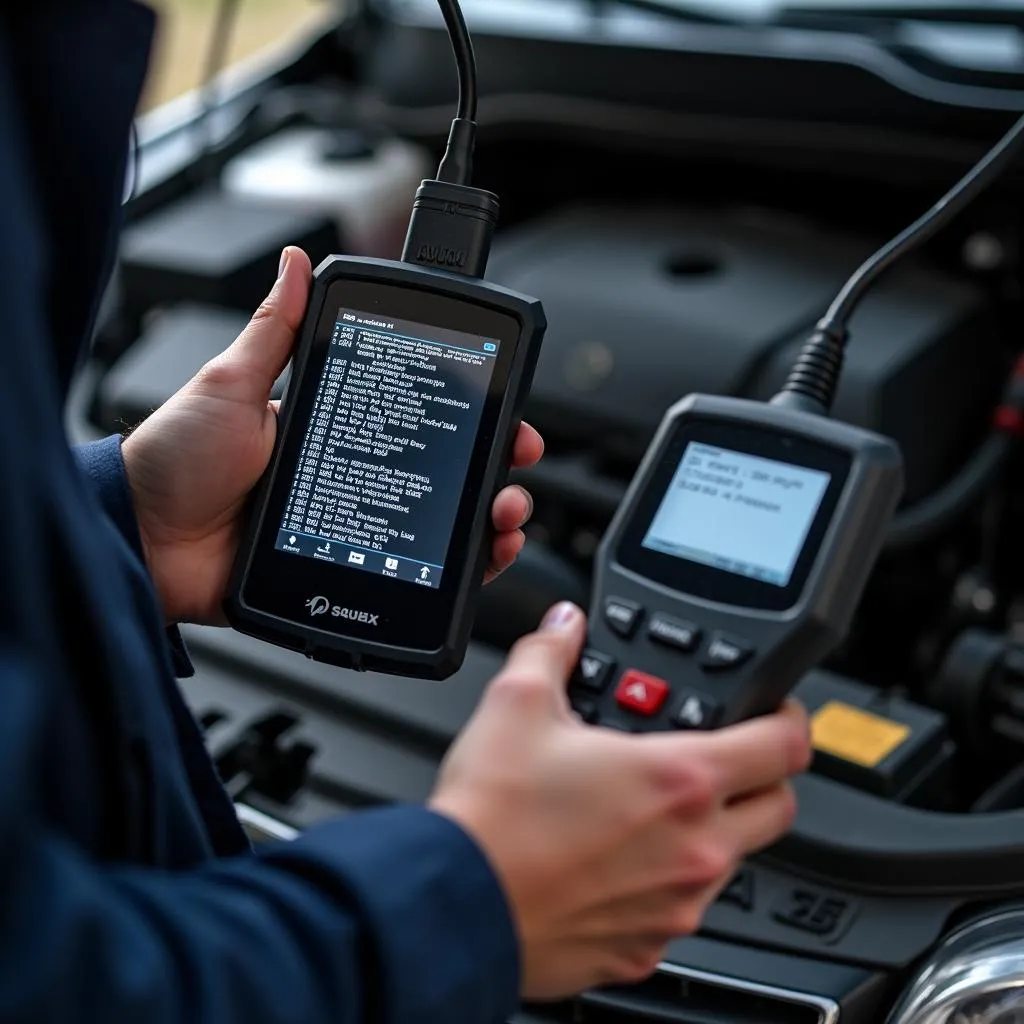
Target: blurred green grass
[184,32]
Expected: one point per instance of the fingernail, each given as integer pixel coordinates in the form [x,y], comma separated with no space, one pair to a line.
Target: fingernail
[283,263]
[529,505]
[562,615]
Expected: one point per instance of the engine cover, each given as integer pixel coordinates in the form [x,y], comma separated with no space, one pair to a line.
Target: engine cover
[646,305]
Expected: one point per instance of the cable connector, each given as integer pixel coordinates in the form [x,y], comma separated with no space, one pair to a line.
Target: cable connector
[451,228]
[812,383]
[457,163]
[452,223]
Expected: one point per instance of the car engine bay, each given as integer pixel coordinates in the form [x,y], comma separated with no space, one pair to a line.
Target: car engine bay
[685,198]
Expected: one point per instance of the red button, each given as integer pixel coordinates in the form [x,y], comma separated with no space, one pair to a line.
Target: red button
[641,693]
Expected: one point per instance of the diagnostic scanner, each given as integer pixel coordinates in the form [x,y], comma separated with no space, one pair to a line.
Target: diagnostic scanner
[734,565]
[371,532]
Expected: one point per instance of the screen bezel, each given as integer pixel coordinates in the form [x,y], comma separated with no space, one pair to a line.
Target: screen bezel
[407,614]
[719,585]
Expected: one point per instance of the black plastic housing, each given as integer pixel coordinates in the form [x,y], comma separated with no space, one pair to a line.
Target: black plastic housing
[648,302]
[216,249]
[745,89]
[350,644]
[172,349]
[910,769]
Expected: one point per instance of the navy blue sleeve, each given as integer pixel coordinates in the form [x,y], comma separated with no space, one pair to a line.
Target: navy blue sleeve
[102,462]
[391,917]
[386,917]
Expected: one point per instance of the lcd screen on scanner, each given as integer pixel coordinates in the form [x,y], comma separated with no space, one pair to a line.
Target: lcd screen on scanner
[737,512]
[386,453]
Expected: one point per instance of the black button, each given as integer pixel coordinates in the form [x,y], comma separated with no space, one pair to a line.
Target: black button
[696,712]
[725,651]
[812,911]
[586,709]
[674,632]
[622,616]
[593,671]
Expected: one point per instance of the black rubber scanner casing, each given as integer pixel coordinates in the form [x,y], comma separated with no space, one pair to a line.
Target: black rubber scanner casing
[446,657]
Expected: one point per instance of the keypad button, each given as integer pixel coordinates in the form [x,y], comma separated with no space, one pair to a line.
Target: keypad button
[593,671]
[725,652]
[641,693]
[684,636]
[622,616]
[696,712]
[585,709]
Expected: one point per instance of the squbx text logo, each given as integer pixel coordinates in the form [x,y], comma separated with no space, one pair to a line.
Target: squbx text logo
[321,606]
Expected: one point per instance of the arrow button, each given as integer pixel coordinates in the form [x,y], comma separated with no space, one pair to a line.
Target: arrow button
[641,693]
[593,671]
[696,712]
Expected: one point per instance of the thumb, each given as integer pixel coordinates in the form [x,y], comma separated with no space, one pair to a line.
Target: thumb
[261,352]
[542,662]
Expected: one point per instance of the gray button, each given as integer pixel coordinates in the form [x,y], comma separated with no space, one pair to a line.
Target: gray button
[622,616]
[725,652]
[684,636]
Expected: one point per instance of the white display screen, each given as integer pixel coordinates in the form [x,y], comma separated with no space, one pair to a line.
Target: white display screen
[738,512]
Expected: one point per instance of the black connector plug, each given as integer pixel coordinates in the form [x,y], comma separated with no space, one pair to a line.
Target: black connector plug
[451,228]
[452,223]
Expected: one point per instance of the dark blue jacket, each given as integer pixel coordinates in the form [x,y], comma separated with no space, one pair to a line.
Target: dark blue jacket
[127,890]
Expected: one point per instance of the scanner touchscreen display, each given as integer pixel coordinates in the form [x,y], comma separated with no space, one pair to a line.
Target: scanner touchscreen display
[385,456]
[738,512]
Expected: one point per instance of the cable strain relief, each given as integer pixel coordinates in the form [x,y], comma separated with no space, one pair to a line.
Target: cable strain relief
[451,228]
[814,379]
[457,162]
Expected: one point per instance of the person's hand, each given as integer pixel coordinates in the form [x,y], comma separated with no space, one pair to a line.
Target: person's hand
[193,462]
[608,845]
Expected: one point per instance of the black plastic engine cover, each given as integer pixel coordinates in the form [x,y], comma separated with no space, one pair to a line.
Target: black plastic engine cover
[780,946]
[646,305]
[377,740]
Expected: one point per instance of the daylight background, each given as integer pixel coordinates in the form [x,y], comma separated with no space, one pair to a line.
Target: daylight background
[186,27]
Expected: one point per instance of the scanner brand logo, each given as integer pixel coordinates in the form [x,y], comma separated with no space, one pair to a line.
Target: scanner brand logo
[354,616]
[442,256]
[321,606]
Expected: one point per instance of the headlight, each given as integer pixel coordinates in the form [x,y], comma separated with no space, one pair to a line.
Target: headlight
[975,977]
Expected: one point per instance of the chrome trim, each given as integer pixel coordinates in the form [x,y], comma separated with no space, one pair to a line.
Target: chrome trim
[970,975]
[828,1009]
[271,829]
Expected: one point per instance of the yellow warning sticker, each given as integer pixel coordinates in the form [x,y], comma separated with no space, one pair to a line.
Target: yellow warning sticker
[854,735]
